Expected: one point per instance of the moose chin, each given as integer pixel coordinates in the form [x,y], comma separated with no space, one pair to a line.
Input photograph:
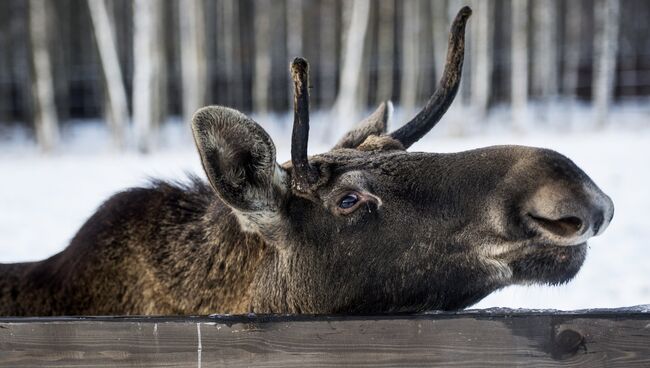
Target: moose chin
[367,227]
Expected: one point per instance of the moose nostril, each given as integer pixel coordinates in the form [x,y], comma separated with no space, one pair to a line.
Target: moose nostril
[565,227]
[566,214]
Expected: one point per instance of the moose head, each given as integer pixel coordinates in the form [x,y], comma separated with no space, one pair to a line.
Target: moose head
[372,227]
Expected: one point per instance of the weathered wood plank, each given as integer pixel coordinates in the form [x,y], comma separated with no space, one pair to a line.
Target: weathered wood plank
[481,339]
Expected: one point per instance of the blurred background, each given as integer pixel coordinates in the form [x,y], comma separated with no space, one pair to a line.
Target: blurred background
[96,96]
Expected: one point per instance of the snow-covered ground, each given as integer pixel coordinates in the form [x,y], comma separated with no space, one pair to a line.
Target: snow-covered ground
[44,199]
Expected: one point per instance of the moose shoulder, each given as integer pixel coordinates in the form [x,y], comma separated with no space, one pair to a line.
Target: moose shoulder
[367,227]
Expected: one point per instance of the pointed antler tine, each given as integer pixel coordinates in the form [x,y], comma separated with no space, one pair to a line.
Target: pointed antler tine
[442,98]
[304,174]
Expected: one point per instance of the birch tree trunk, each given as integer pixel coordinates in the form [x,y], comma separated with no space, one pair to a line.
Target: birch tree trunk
[262,79]
[111,70]
[193,60]
[59,58]
[108,112]
[426,67]
[410,67]
[160,96]
[5,91]
[605,49]
[280,83]
[519,62]
[327,52]
[294,28]
[229,20]
[346,102]
[572,46]
[147,61]
[45,118]
[385,50]
[482,60]
[440,31]
[364,77]
[294,18]
[21,59]
[632,33]
[544,76]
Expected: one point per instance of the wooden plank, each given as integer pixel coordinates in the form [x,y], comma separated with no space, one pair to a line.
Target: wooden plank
[473,338]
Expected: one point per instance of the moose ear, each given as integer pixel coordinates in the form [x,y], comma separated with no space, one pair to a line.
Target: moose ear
[238,157]
[375,124]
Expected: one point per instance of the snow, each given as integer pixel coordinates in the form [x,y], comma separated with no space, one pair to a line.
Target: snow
[45,199]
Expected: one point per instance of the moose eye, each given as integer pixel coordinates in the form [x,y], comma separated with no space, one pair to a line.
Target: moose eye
[348,201]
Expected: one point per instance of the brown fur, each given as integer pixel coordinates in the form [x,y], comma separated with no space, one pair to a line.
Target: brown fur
[145,251]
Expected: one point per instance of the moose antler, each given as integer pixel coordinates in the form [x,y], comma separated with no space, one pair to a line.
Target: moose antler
[304,174]
[438,104]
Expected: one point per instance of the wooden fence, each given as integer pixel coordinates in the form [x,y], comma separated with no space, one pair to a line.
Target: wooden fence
[485,338]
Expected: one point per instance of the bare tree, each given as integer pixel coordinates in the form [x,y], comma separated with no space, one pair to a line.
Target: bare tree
[294,28]
[346,101]
[572,45]
[365,76]
[60,57]
[385,49]
[230,37]
[605,49]
[147,62]
[45,120]
[426,68]
[5,92]
[193,60]
[410,66]
[107,111]
[482,30]
[544,75]
[294,19]
[632,32]
[441,21]
[262,80]
[161,83]
[21,57]
[111,70]
[328,62]
[519,62]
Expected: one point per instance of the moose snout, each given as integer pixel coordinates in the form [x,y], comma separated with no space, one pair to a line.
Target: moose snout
[563,215]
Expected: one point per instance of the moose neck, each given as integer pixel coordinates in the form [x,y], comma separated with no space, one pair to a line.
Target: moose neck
[212,265]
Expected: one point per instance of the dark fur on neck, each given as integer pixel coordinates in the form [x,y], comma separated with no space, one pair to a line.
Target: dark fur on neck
[154,250]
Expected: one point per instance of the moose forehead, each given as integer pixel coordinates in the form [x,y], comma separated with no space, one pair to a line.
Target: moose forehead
[467,164]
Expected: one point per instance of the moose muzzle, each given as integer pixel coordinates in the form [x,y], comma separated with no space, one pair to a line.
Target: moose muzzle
[568,214]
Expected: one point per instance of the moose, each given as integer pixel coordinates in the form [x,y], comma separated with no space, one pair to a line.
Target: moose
[366,227]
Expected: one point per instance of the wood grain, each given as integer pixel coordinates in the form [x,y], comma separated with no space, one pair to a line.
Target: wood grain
[474,339]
